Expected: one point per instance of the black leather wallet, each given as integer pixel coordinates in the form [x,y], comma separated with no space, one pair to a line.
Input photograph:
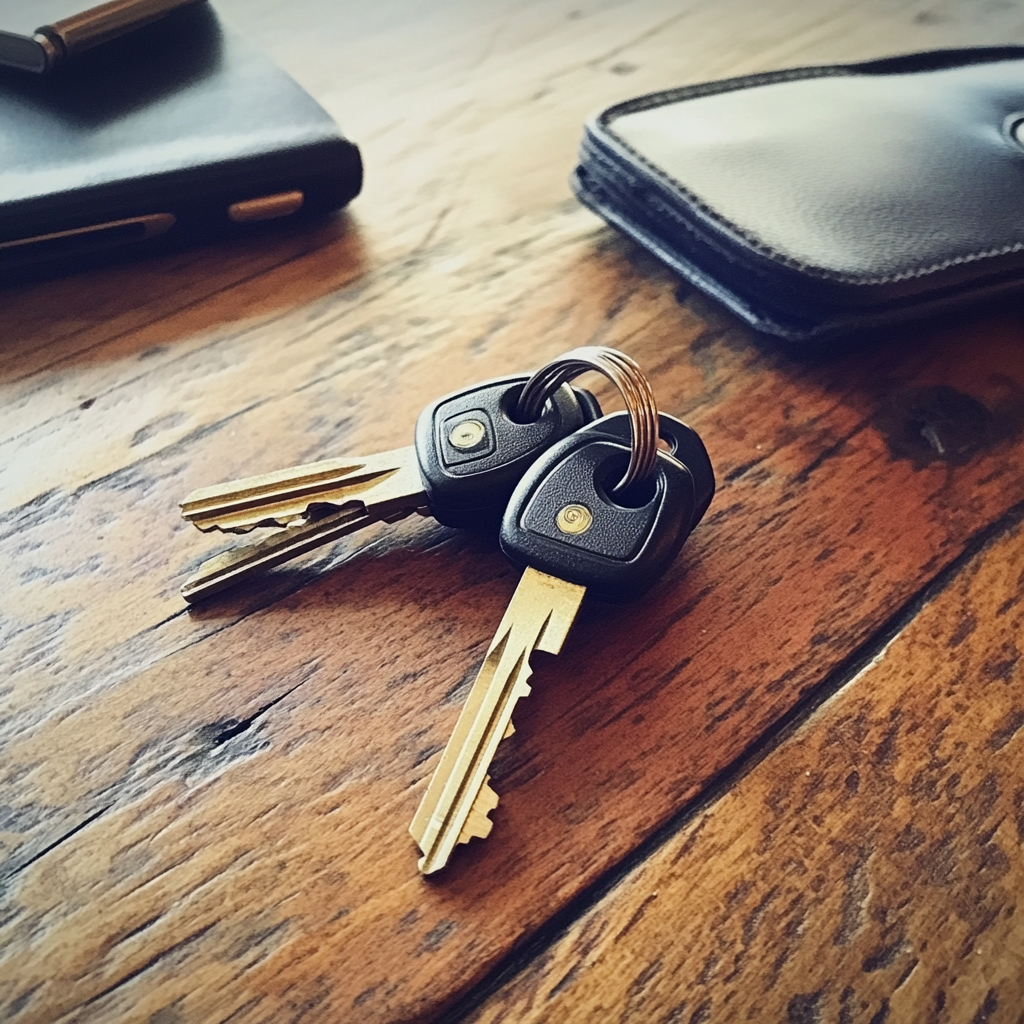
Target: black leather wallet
[176,133]
[824,201]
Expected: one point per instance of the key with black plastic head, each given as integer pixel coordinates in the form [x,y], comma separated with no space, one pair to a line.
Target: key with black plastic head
[573,537]
[471,448]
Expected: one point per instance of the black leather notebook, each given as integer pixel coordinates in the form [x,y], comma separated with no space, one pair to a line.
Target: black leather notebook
[176,133]
[826,201]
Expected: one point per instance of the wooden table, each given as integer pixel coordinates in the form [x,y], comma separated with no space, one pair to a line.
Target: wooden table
[788,785]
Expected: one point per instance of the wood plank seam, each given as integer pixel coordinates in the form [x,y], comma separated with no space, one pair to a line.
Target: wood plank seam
[70,834]
[844,674]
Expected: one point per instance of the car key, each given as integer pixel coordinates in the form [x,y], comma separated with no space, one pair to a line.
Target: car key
[471,447]
[574,537]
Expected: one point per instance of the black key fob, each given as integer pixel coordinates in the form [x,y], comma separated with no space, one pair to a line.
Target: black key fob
[564,520]
[472,450]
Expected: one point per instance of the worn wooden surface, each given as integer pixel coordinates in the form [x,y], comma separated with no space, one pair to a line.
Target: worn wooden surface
[870,868]
[204,812]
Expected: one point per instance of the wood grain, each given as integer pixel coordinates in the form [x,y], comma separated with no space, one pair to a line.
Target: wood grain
[205,811]
[871,868]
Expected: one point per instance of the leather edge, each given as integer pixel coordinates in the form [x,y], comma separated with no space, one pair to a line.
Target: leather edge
[599,128]
[810,332]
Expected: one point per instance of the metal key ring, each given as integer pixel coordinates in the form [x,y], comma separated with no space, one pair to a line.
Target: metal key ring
[634,387]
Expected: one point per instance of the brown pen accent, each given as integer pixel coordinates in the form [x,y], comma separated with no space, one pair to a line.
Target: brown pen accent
[97,25]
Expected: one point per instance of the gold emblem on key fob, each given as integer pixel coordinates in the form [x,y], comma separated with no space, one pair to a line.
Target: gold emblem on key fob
[467,434]
[574,519]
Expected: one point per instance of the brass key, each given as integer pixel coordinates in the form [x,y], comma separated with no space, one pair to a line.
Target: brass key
[317,503]
[458,800]
[468,456]
[573,537]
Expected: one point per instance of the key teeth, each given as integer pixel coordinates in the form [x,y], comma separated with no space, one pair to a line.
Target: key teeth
[478,825]
[216,526]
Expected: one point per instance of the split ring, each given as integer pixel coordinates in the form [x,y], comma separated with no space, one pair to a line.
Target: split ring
[634,387]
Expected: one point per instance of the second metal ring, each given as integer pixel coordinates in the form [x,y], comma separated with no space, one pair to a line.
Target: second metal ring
[636,391]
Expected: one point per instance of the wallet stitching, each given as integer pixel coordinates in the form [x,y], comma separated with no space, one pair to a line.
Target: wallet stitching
[754,315]
[669,96]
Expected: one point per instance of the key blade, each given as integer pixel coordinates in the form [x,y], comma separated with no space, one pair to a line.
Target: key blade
[280,498]
[538,618]
[562,601]
[227,569]
[478,825]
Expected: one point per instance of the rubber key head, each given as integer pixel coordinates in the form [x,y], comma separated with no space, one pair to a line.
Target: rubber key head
[472,452]
[562,520]
[684,445]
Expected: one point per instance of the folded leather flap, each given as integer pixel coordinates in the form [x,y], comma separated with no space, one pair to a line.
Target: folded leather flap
[853,184]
